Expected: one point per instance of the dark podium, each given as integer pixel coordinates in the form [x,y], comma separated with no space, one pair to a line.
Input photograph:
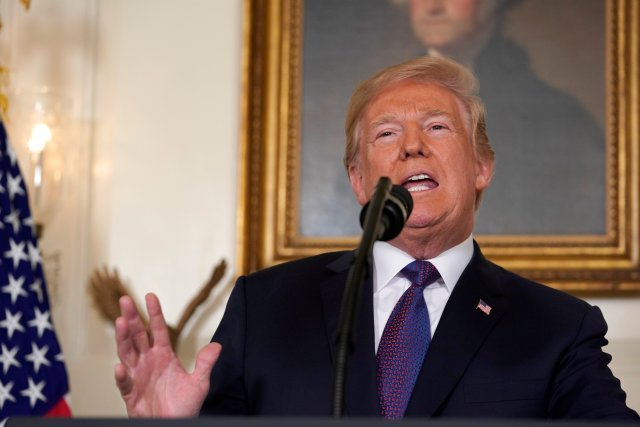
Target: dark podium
[293,421]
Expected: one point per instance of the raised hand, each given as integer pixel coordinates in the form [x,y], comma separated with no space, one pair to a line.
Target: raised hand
[151,379]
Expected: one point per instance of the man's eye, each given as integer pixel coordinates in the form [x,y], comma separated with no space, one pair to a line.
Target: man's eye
[385,134]
[437,127]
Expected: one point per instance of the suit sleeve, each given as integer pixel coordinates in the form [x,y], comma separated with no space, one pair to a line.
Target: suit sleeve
[227,393]
[584,386]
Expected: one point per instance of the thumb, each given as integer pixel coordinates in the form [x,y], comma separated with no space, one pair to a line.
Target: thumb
[205,361]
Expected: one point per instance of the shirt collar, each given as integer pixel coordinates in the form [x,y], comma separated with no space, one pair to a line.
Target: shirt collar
[389,260]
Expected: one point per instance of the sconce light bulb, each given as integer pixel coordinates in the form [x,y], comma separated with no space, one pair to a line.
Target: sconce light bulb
[40,135]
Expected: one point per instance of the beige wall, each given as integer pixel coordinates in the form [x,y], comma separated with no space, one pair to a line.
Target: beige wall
[150,186]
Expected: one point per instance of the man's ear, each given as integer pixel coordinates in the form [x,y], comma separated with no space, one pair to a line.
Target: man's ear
[355,178]
[484,173]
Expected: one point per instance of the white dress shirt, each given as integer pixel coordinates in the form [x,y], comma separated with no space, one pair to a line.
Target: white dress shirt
[388,285]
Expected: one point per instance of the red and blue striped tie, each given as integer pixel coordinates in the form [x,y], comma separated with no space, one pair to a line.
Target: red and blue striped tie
[404,342]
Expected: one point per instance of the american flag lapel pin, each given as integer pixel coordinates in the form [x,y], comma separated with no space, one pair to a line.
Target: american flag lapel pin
[484,307]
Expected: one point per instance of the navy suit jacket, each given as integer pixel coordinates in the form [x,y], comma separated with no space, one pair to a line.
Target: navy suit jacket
[537,354]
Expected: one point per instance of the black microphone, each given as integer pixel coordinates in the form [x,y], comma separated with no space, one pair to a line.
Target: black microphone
[382,218]
[397,206]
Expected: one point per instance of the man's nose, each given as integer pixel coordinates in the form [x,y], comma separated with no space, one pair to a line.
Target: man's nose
[415,143]
[432,6]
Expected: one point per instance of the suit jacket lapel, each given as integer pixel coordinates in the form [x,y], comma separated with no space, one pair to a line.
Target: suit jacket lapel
[360,389]
[461,331]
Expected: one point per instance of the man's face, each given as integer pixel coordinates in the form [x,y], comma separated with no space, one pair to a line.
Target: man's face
[417,134]
[443,24]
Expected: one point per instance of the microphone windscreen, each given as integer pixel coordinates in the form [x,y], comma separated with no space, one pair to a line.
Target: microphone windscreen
[397,209]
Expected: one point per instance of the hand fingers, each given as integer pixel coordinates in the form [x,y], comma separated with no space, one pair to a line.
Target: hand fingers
[126,350]
[207,358]
[157,324]
[137,330]
[127,307]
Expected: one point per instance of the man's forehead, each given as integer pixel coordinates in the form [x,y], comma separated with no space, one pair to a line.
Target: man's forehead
[429,89]
[428,97]
[425,97]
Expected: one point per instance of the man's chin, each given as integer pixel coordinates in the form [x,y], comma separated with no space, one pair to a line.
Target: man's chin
[438,41]
[420,223]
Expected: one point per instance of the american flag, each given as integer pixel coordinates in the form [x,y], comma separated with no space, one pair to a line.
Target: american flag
[33,378]
[484,307]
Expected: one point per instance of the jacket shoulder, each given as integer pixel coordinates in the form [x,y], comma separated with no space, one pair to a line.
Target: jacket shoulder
[304,271]
[530,295]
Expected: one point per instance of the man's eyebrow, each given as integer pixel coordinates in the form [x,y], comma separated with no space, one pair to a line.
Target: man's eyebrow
[426,113]
[382,120]
[436,113]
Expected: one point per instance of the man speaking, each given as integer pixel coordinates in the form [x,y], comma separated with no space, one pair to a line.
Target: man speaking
[441,331]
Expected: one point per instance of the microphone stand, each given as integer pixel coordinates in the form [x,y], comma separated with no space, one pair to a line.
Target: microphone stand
[359,270]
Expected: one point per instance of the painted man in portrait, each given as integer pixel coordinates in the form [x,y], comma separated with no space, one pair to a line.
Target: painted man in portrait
[550,169]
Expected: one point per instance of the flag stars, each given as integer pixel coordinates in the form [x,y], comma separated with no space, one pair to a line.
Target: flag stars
[11,153]
[28,222]
[8,358]
[11,322]
[34,392]
[14,288]
[14,184]
[36,288]
[37,356]
[34,255]
[32,373]
[16,253]
[5,393]
[14,220]
[40,321]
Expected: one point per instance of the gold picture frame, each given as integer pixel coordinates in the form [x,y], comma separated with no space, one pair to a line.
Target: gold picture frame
[268,214]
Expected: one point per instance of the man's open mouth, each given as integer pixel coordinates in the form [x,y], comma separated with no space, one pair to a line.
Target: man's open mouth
[420,182]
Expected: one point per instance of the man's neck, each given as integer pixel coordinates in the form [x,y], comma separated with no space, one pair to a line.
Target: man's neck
[422,246]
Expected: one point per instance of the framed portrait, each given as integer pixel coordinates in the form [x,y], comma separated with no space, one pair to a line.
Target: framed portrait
[563,105]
